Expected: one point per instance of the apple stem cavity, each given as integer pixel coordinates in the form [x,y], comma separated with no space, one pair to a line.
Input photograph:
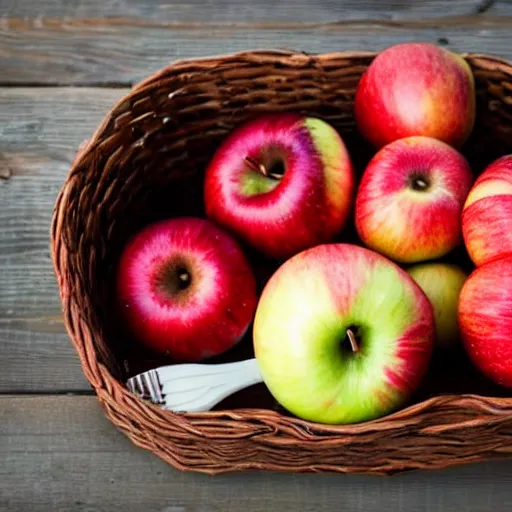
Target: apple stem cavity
[174,279]
[353,342]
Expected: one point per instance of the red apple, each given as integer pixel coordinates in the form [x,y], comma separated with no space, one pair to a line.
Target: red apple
[410,198]
[416,89]
[281,183]
[485,318]
[487,213]
[342,334]
[186,289]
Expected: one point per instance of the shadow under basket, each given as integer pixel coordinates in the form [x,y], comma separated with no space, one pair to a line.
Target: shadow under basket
[145,162]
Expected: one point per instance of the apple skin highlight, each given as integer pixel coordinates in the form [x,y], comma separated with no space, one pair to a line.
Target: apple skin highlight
[300,329]
[309,204]
[487,213]
[485,318]
[416,89]
[405,224]
[206,318]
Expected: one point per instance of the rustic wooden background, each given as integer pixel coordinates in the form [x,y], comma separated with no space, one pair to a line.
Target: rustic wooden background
[63,63]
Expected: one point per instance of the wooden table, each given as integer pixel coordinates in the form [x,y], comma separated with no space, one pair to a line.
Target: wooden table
[63,63]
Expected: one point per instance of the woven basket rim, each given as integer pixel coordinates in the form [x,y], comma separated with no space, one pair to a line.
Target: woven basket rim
[109,390]
[301,56]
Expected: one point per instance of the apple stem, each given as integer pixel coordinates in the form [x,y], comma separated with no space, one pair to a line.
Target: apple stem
[353,341]
[418,181]
[256,165]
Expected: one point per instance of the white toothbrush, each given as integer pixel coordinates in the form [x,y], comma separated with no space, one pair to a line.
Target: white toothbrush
[194,387]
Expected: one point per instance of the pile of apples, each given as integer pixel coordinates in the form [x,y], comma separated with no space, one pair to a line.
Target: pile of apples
[342,332]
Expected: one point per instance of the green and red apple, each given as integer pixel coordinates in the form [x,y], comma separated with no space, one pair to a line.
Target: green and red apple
[441,283]
[281,183]
[487,213]
[342,334]
[416,89]
[409,201]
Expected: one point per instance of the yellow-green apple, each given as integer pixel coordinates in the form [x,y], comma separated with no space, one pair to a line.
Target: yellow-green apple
[409,201]
[185,288]
[485,318]
[416,89]
[441,283]
[342,334]
[487,213]
[282,183]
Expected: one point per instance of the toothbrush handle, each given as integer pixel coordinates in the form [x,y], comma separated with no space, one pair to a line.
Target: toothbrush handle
[194,387]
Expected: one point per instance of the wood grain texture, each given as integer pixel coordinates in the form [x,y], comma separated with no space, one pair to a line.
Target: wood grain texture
[500,7]
[35,359]
[60,453]
[231,11]
[123,51]
[40,131]
[55,120]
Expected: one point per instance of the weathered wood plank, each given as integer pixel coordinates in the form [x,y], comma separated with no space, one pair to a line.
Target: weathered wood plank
[55,119]
[500,7]
[40,130]
[60,453]
[229,11]
[35,351]
[123,51]
[36,356]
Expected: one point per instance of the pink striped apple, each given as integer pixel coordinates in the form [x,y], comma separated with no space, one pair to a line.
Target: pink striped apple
[282,183]
[342,334]
[410,199]
[487,213]
[186,289]
[416,89]
[485,318]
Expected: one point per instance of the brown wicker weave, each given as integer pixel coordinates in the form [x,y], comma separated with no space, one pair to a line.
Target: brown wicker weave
[145,161]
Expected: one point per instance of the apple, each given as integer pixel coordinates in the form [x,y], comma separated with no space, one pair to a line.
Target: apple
[485,318]
[281,183]
[410,198]
[441,283]
[487,213]
[186,289]
[416,89]
[342,334]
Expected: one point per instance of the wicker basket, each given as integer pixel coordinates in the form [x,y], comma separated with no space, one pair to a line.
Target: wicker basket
[145,161]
